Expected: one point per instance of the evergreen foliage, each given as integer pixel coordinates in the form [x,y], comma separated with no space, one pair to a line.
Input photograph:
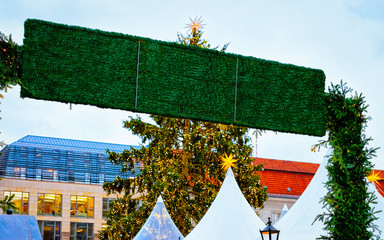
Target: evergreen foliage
[182,163]
[10,65]
[348,200]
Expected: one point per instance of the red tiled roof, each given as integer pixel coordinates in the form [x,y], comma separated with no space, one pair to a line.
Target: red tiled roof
[290,178]
[380,185]
[285,183]
[287,166]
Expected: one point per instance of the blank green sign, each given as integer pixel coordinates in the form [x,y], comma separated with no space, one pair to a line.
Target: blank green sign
[111,70]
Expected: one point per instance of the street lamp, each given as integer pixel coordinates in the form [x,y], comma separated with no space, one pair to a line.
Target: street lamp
[269,232]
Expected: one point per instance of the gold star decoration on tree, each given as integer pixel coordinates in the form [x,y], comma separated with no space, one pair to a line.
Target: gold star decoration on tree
[195,25]
[228,162]
[374,177]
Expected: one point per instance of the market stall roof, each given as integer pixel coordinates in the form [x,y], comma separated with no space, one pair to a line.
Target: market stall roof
[378,207]
[159,225]
[284,211]
[19,227]
[229,217]
[298,223]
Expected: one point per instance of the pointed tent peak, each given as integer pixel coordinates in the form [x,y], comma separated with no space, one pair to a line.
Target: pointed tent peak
[229,173]
[229,217]
[159,225]
[285,208]
[160,199]
[284,211]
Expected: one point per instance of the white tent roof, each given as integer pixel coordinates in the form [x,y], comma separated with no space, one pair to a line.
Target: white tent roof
[378,207]
[284,211]
[229,217]
[159,225]
[297,222]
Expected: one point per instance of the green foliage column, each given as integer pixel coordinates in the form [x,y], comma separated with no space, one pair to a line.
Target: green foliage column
[347,200]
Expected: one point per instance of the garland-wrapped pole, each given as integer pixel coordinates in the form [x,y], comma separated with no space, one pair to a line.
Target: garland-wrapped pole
[348,213]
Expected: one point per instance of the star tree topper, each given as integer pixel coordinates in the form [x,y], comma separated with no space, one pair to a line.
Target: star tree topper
[374,177]
[196,24]
[228,161]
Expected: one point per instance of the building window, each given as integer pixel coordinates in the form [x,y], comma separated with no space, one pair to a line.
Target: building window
[101,181]
[31,173]
[106,204]
[16,172]
[49,204]
[63,176]
[94,178]
[50,230]
[20,200]
[47,174]
[38,174]
[81,231]
[82,206]
[275,217]
[71,176]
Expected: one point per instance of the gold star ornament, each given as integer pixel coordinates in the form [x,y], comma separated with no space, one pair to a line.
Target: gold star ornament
[374,177]
[227,161]
[196,24]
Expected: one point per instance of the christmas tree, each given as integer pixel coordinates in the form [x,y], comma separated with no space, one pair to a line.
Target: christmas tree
[10,66]
[182,160]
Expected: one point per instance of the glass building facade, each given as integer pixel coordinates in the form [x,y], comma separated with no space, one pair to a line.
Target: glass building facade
[60,182]
[60,160]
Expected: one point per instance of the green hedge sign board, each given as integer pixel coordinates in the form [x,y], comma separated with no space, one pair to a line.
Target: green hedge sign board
[110,70]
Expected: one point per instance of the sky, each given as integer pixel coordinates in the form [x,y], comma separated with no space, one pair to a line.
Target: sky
[344,38]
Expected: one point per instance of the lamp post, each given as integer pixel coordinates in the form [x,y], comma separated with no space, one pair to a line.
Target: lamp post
[269,232]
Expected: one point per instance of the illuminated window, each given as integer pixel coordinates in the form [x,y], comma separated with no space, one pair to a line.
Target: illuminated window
[49,204]
[16,172]
[82,206]
[20,200]
[104,226]
[81,231]
[50,230]
[106,204]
